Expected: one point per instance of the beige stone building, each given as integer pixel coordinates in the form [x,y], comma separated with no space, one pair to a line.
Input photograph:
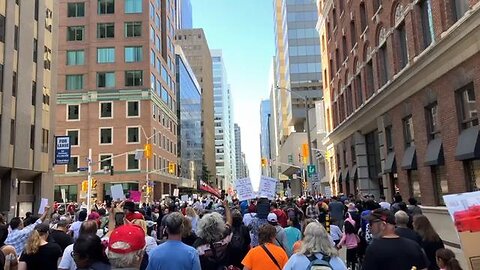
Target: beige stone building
[27,92]
[194,45]
[117,93]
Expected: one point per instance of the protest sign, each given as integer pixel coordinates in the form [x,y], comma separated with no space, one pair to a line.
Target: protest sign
[117,192]
[184,198]
[135,195]
[268,187]
[244,189]
[43,203]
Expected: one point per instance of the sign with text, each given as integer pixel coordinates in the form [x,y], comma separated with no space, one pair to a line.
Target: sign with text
[311,170]
[268,187]
[117,192]
[244,189]
[62,150]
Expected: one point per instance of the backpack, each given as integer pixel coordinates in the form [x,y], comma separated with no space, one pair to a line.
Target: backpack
[319,264]
[238,240]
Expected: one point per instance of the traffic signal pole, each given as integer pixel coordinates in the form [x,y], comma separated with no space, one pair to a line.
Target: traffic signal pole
[89,179]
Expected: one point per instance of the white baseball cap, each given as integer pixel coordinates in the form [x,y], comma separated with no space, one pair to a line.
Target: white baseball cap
[272,218]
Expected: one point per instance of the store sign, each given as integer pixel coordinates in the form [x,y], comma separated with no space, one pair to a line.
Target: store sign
[62,150]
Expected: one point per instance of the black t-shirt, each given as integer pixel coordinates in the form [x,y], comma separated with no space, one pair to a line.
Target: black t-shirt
[409,234]
[394,254]
[61,238]
[46,257]
[430,250]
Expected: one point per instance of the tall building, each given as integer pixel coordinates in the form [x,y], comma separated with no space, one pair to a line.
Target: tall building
[184,14]
[403,97]
[117,93]
[189,112]
[224,133]
[245,171]
[28,67]
[265,118]
[195,47]
[239,159]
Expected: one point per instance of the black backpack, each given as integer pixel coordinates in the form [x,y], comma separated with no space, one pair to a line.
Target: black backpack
[238,239]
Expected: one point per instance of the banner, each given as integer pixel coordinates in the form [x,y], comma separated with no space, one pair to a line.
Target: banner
[464,209]
[268,187]
[135,195]
[244,189]
[62,150]
[209,189]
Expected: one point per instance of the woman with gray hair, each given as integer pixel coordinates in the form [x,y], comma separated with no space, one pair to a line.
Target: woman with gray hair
[316,249]
[214,235]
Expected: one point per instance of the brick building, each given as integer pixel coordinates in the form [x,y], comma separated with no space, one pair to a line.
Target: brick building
[401,81]
[116,81]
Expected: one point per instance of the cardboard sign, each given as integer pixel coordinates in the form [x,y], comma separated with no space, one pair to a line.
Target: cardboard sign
[135,195]
[244,189]
[176,192]
[64,197]
[117,192]
[184,198]
[43,203]
[195,196]
[268,187]
[464,209]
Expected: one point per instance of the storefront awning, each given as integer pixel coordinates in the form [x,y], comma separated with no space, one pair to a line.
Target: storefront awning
[390,164]
[339,176]
[409,161]
[434,154]
[468,145]
[346,173]
[353,172]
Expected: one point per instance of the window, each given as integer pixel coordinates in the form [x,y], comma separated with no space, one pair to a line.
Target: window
[132,163]
[133,54]
[47,57]
[1,77]
[402,40]
[106,110]
[363,16]
[337,60]
[408,131]
[72,166]
[459,8]
[413,179]
[48,20]
[32,137]
[426,20]
[34,93]
[466,107]
[35,50]
[74,82]
[73,112]
[358,90]
[106,135]
[133,78]
[105,164]
[75,33]
[431,113]
[106,6]
[383,64]
[45,136]
[152,11]
[105,79]
[439,176]
[133,135]
[76,9]
[152,34]
[376,5]
[15,40]
[12,131]
[105,30]
[133,29]
[74,137]
[105,55]
[133,6]
[133,108]
[388,139]
[75,58]
[14,84]
[369,74]
[2,28]
[353,33]
[345,48]
[36,10]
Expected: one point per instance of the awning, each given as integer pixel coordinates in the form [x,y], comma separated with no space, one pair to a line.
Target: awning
[290,170]
[434,154]
[409,161]
[468,146]
[339,176]
[390,164]
[353,172]
[346,173]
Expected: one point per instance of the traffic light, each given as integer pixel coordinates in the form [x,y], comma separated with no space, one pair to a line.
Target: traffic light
[85,186]
[264,162]
[171,167]
[94,183]
[148,151]
[305,152]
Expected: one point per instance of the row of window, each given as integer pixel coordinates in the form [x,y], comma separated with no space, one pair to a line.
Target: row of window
[104,30]
[104,7]
[104,79]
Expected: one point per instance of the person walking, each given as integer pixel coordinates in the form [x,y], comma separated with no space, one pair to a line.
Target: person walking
[446,260]
[74,229]
[350,239]
[267,255]
[316,249]
[127,247]
[191,214]
[281,215]
[59,235]
[8,252]
[336,209]
[293,234]
[67,262]
[240,243]
[431,241]
[88,253]
[173,254]
[40,254]
[280,237]
[402,230]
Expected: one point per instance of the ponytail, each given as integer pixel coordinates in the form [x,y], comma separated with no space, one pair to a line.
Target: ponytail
[33,243]
[453,264]
[448,258]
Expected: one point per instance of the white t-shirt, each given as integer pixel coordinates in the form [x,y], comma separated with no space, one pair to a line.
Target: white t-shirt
[67,261]
[75,228]
[248,217]
[335,232]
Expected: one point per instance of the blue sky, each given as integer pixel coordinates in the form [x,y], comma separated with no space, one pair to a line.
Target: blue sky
[243,29]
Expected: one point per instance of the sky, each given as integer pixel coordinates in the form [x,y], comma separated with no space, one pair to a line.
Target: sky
[244,30]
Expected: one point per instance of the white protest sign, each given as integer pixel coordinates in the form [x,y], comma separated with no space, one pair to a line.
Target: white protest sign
[328,192]
[244,189]
[117,192]
[176,192]
[184,198]
[268,187]
[43,203]
[195,196]
[64,197]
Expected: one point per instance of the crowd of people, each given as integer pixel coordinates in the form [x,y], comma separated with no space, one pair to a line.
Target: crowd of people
[208,233]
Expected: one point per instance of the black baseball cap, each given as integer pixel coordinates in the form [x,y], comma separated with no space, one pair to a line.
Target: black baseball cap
[381,214]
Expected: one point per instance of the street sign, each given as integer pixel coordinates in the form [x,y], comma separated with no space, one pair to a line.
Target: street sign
[311,170]
[314,178]
[62,150]
[82,169]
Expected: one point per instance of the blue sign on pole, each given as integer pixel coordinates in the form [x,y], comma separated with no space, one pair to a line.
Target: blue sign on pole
[62,150]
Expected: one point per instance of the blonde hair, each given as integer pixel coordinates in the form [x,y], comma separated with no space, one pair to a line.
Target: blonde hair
[189,211]
[316,240]
[33,243]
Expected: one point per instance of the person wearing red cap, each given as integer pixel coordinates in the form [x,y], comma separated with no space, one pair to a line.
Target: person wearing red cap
[126,247]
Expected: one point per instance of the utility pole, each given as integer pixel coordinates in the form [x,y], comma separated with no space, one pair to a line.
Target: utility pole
[89,190]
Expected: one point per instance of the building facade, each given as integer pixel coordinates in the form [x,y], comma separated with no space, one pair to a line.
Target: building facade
[265,149]
[224,133]
[117,93]
[28,65]
[403,80]
[239,155]
[190,120]
[184,14]
[195,47]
